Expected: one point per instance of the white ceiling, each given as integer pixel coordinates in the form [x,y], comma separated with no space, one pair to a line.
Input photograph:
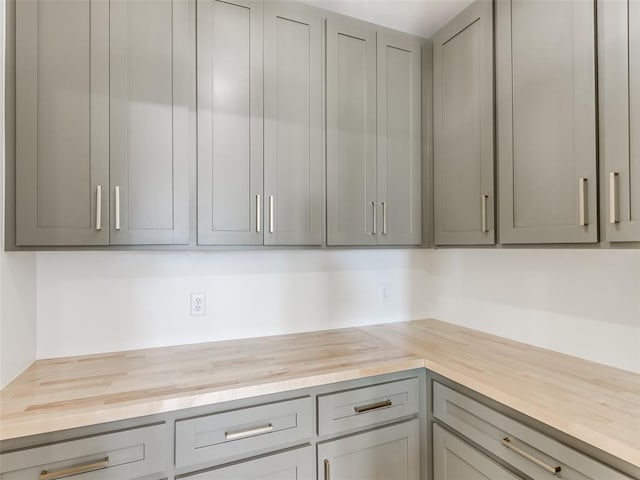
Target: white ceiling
[420,17]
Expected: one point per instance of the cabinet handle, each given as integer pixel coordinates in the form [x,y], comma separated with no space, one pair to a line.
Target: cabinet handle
[384,217]
[327,470]
[270,213]
[582,188]
[373,406]
[506,441]
[258,213]
[613,198]
[117,192]
[252,432]
[99,207]
[484,213]
[375,219]
[45,475]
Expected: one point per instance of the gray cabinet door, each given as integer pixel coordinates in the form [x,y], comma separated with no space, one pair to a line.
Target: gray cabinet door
[619,107]
[454,459]
[230,122]
[546,121]
[293,142]
[150,73]
[389,452]
[351,132]
[463,128]
[399,138]
[62,122]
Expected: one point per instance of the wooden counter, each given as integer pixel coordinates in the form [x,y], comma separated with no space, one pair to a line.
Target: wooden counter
[597,404]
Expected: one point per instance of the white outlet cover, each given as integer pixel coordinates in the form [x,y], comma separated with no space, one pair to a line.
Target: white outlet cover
[198,304]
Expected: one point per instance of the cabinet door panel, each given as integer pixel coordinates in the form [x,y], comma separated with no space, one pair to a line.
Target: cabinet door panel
[293,124]
[463,128]
[229,122]
[149,121]
[62,122]
[399,138]
[351,130]
[546,121]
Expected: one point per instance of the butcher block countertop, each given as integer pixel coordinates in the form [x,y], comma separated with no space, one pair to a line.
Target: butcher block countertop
[598,405]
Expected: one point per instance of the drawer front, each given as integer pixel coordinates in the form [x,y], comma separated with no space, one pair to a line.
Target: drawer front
[366,406]
[292,465]
[242,433]
[123,455]
[529,450]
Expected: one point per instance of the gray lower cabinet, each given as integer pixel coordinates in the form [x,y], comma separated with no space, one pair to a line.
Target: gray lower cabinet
[546,121]
[390,452]
[455,459]
[463,123]
[619,107]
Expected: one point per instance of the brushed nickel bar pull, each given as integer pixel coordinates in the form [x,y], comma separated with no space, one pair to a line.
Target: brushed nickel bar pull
[506,441]
[613,198]
[270,213]
[373,406]
[252,432]
[375,219]
[484,213]
[258,213]
[582,187]
[117,192]
[384,217]
[99,207]
[327,470]
[45,475]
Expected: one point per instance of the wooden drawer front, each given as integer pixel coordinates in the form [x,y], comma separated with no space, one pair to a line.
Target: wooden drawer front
[243,432]
[291,465]
[529,450]
[338,412]
[135,453]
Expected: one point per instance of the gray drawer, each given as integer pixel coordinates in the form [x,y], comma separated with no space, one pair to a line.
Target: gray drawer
[366,406]
[243,432]
[128,454]
[526,449]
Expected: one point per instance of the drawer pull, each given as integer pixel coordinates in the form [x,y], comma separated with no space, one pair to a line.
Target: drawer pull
[248,433]
[373,406]
[506,441]
[45,475]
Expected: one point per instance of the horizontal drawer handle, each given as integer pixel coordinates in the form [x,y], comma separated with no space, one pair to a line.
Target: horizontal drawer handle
[248,433]
[373,406]
[506,441]
[45,475]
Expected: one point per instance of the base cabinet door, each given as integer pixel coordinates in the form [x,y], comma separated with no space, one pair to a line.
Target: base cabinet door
[387,453]
[454,459]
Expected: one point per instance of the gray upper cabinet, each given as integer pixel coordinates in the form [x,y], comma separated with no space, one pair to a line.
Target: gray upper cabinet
[293,141]
[399,138]
[62,122]
[546,121]
[149,104]
[463,128]
[230,122]
[619,90]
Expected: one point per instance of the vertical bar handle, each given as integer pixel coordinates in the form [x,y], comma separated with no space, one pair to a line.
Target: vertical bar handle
[99,207]
[270,213]
[613,198]
[327,470]
[484,212]
[384,217]
[375,219]
[582,188]
[117,193]
[258,213]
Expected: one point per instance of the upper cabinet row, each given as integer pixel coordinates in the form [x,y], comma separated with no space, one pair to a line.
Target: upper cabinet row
[546,135]
[110,149]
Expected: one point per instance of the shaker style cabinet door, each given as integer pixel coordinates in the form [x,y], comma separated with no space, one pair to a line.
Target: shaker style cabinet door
[399,138]
[619,106]
[352,210]
[546,121]
[293,142]
[149,102]
[62,122]
[463,128]
[230,122]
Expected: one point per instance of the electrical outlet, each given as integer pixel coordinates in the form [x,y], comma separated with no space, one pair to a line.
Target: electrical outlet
[384,293]
[197,304]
